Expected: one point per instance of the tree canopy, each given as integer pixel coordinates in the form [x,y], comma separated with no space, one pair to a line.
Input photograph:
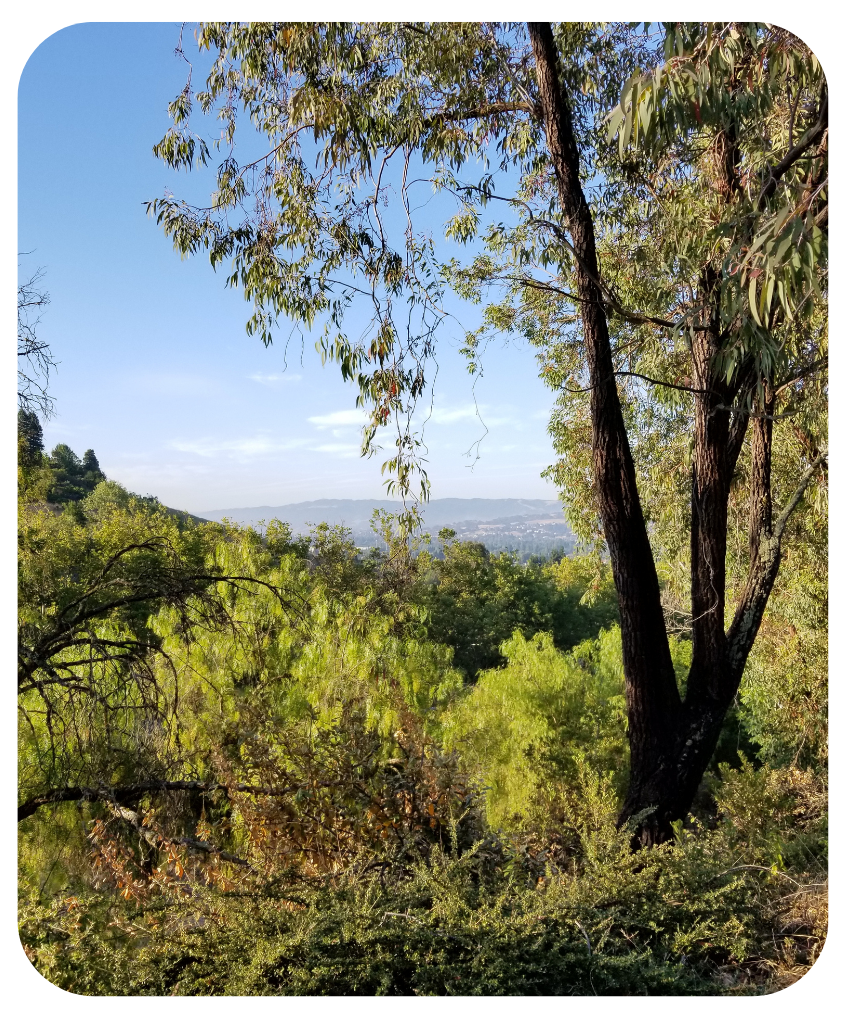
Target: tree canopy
[663,194]
[258,763]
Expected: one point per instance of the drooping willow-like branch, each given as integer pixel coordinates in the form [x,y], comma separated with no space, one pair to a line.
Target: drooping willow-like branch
[103,793]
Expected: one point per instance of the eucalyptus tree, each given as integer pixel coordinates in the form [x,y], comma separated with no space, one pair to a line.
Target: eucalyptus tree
[663,195]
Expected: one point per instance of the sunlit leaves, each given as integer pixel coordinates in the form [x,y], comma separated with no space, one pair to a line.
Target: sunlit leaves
[306,228]
[735,100]
[182,150]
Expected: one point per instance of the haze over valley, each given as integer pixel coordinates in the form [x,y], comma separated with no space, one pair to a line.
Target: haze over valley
[532,526]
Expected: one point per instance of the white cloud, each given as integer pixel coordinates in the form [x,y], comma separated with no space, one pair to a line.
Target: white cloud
[482,414]
[343,418]
[257,445]
[340,419]
[343,449]
[274,379]
[441,416]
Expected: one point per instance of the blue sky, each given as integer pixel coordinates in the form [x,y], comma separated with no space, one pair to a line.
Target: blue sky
[156,372]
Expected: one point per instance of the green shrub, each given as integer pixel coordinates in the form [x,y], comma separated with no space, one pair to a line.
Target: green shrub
[522,727]
[665,922]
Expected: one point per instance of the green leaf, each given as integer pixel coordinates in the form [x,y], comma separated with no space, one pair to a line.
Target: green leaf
[645,110]
[627,132]
[781,248]
[762,237]
[615,118]
[780,219]
[768,296]
[753,303]
[627,88]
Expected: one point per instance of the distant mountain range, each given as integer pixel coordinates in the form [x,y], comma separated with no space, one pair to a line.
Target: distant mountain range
[355,513]
[529,526]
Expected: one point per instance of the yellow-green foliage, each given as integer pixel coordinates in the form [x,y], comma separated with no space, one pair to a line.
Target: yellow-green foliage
[585,578]
[386,672]
[106,494]
[304,656]
[308,685]
[522,727]
[780,815]
[33,482]
[784,693]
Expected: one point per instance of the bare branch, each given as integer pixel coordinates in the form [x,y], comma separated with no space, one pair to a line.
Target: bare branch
[34,359]
[72,793]
[653,381]
[795,498]
[810,138]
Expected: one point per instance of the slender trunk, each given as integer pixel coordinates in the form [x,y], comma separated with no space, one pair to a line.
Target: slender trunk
[651,692]
[711,477]
[718,440]
[764,545]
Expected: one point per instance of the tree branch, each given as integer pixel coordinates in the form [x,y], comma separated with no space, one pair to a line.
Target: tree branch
[72,793]
[668,385]
[795,498]
[809,138]
[160,841]
[759,584]
[820,362]
[489,110]
[653,381]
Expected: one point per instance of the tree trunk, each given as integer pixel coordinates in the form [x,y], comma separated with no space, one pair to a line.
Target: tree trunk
[652,695]
[671,741]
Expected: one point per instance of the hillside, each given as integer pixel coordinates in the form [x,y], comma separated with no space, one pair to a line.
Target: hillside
[356,512]
[527,526]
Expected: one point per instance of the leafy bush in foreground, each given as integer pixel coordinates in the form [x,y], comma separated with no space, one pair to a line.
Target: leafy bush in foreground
[686,918]
[330,808]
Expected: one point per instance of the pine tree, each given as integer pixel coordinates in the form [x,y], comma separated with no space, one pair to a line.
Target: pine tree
[67,475]
[90,462]
[92,474]
[30,439]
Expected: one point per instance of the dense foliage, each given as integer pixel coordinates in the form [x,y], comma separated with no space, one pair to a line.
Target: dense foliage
[647,205]
[251,765]
[254,763]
